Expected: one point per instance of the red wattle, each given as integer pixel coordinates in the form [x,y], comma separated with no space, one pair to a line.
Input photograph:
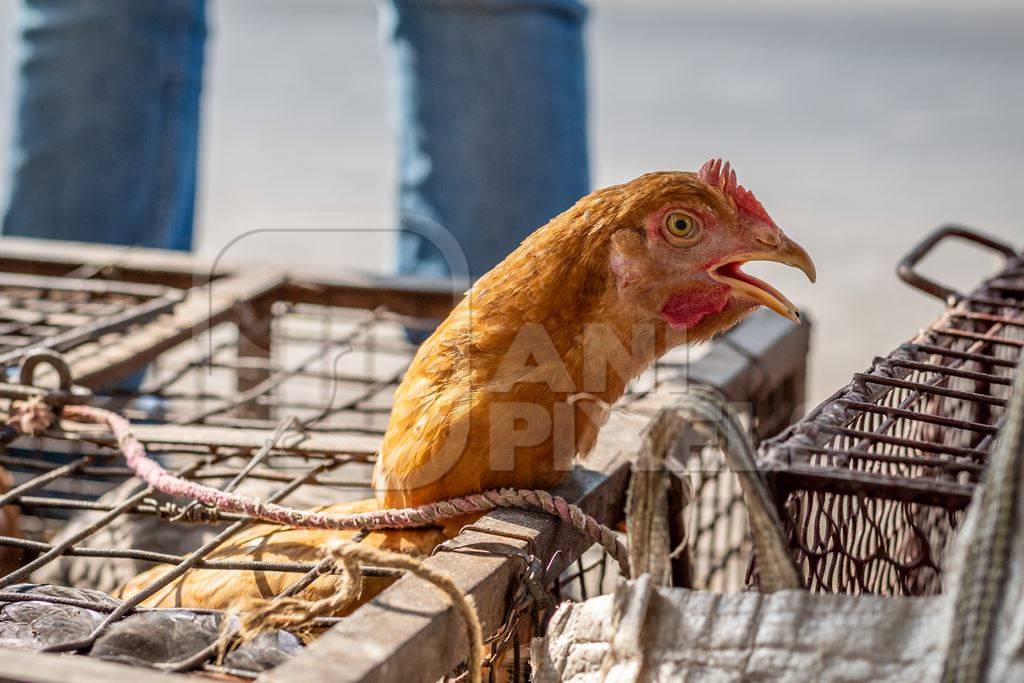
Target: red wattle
[685,309]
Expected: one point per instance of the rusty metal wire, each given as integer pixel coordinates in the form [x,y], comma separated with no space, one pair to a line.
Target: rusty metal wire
[330,368]
[59,313]
[318,369]
[875,480]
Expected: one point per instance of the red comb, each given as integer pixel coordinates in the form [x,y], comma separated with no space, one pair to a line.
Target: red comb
[717,173]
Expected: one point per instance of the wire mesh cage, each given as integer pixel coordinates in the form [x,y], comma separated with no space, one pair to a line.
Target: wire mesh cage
[770,397]
[875,481]
[61,313]
[279,387]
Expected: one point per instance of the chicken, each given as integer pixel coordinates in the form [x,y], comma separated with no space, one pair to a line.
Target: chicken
[519,378]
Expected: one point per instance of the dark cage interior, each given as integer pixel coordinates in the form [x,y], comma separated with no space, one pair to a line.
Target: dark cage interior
[875,481]
[279,387]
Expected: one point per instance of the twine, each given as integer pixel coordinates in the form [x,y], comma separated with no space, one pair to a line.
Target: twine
[31,416]
[289,613]
[160,479]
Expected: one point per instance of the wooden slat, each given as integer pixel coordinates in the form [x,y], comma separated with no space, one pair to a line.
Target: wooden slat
[52,257]
[99,363]
[411,633]
[32,667]
[407,296]
[96,287]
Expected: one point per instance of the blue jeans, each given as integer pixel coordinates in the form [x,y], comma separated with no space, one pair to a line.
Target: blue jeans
[488,97]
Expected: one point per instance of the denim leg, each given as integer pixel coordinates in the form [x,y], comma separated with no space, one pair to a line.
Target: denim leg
[107,107]
[490,105]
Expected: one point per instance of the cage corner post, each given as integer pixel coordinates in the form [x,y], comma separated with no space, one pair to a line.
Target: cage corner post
[254,322]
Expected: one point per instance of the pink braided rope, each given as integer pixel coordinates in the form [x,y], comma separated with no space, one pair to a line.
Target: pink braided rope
[160,479]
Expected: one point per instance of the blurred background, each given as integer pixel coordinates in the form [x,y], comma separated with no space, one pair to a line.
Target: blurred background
[860,125]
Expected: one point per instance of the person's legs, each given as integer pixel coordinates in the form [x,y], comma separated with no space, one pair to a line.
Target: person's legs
[490,98]
[107,105]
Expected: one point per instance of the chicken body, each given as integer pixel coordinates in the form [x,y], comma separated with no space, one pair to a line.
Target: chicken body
[519,378]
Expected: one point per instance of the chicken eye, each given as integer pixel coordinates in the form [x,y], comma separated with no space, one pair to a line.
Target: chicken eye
[682,226]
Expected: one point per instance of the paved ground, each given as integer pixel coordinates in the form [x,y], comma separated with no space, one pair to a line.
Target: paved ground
[860,126]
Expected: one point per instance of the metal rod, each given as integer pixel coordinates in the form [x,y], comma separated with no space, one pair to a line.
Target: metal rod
[60,548]
[1009,320]
[918,417]
[995,301]
[180,569]
[167,558]
[964,355]
[44,479]
[106,607]
[258,390]
[990,339]
[952,371]
[92,331]
[842,454]
[928,389]
[120,473]
[906,443]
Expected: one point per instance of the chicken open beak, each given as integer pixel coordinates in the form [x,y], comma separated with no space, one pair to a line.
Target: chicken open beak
[750,288]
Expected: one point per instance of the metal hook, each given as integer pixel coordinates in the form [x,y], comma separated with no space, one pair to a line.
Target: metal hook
[67,392]
[32,360]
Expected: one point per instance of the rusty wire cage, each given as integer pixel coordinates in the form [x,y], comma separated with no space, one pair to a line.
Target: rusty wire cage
[874,481]
[279,386]
[61,313]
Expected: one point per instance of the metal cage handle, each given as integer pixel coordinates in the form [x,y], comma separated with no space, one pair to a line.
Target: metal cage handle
[906,270]
[67,392]
[37,357]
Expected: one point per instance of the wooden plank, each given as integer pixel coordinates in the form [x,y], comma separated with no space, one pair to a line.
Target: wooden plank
[54,257]
[204,435]
[403,295]
[99,363]
[35,667]
[407,296]
[97,287]
[411,633]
